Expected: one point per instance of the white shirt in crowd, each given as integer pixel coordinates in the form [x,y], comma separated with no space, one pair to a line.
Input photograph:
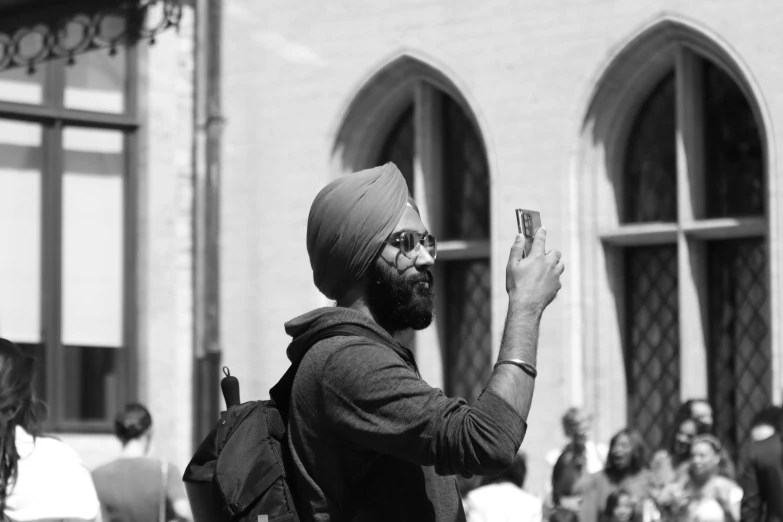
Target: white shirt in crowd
[502,502]
[51,483]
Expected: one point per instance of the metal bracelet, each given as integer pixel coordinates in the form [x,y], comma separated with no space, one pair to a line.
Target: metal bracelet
[526,367]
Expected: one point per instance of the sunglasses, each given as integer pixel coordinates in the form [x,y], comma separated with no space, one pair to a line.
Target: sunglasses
[410,242]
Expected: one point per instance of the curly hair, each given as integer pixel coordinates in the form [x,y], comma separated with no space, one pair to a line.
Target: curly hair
[638,453]
[19,406]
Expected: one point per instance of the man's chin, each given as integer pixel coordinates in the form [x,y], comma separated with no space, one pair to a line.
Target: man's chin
[421,319]
[422,325]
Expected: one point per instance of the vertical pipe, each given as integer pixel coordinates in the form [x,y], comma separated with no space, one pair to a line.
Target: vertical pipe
[208,121]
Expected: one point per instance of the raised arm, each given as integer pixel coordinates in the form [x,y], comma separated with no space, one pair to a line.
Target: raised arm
[374,399]
[532,283]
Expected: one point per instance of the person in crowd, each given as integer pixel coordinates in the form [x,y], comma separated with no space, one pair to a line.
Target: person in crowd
[136,487]
[560,514]
[700,411]
[705,495]
[369,438]
[581,456]
[668,464]
[762,481]
[502,498]
[569,471]
[42,478]
[621,506]
[766,423]
[626,468]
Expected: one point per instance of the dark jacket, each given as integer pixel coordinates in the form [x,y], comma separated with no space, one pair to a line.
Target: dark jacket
[370,440]
[570,467]
[763,482]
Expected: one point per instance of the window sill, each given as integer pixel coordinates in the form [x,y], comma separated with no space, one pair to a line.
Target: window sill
[640,234]
[661,233]
[724,228]
[85,427]
[456,249]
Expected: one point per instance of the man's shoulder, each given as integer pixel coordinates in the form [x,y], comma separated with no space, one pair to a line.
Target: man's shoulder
[767,451]
[349,351]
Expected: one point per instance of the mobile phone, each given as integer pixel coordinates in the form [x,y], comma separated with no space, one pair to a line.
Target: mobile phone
[528,222]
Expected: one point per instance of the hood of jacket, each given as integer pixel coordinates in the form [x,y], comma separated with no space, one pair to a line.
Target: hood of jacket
[305,328]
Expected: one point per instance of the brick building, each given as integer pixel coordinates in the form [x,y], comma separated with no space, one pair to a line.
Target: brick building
[643,132]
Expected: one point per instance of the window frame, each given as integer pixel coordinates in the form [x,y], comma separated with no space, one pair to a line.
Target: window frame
[692,229]
[428,187]
[53,117]
[364,125]
[641,59]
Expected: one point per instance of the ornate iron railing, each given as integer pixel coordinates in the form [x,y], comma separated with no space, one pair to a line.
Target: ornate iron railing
[29,38]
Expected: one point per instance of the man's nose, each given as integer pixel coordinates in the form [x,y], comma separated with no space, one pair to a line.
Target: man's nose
[424,259]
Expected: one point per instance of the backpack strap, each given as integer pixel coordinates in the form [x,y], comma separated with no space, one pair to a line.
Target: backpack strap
[281,392]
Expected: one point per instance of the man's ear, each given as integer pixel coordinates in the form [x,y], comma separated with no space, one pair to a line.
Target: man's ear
[357,291]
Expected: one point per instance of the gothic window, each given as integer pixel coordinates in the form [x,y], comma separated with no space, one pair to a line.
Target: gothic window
[453,184]
[693,236]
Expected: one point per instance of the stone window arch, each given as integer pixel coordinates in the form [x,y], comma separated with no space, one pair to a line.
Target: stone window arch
[411,114]
[677,253]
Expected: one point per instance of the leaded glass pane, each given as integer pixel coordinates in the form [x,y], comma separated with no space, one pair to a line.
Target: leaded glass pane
[650,181]
[734,162]
[466,177]
[739,341]
[400,145]
[652,343]
[468,328]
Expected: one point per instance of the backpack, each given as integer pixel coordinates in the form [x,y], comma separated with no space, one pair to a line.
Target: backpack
[240,471]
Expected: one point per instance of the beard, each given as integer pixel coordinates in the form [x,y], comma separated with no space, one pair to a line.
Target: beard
[399,302]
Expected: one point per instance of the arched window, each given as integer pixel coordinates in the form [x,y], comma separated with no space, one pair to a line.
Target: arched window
[692,237]
[436,146]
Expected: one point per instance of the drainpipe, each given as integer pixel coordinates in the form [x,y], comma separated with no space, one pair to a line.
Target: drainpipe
[208,121]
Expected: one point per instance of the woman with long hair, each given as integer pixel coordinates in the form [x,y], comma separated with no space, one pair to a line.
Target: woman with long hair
[672,462]
[705,495]
[626,469]
[40,477]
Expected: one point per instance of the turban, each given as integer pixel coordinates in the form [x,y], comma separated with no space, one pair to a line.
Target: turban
[349,221]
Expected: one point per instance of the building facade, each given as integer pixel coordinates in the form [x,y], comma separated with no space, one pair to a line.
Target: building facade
[96,192]
[644,133]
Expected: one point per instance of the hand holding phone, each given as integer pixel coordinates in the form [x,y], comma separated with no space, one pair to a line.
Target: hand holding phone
[533,282]
[528,222]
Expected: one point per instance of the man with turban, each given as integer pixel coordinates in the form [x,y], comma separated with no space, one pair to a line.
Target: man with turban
[369,439]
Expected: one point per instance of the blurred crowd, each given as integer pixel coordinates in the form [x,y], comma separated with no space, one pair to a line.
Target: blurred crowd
[691,479]
[43,479]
